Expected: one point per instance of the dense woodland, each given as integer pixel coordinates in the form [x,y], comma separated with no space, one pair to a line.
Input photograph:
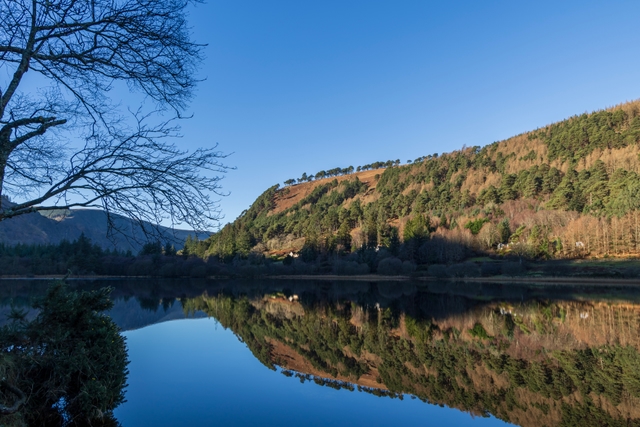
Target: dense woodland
[533,363]
[568,190]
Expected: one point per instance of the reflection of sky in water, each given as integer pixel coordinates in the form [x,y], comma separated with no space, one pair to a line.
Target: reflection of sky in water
[193,372]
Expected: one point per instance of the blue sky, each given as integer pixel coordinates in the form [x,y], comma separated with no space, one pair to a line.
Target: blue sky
[300,86]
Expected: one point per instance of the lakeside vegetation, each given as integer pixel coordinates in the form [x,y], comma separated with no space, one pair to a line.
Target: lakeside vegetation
[83,258]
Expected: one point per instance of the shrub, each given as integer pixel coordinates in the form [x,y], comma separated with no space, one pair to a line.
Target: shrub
[490,269]
[251,271]
[301,267]
[141,267]
[391,266]
[438,270]
[478,331]
[465,269]
[408,267]
[513,268]
[169,270]
[631,272]
[198,271]
[476,225]
[556,269]
[349,268]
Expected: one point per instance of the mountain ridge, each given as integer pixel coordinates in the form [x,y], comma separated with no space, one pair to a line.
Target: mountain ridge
[52,227]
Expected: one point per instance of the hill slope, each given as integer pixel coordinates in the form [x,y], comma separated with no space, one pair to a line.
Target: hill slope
[68,225]
[569,189]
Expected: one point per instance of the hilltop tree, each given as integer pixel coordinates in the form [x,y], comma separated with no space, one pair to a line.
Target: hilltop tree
[67,144]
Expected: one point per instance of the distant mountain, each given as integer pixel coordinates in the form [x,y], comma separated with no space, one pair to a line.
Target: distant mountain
[129,315]
[54,226]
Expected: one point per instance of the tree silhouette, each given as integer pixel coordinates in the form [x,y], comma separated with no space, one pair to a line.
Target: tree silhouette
[67,144]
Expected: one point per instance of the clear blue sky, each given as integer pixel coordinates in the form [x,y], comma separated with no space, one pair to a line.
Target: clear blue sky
[300,86]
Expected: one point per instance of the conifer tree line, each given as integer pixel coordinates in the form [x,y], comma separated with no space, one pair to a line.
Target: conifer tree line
[82,257]
[567,190]
[342,171]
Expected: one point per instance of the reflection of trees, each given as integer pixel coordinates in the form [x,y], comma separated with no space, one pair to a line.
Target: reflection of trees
[531,363]
[341,385]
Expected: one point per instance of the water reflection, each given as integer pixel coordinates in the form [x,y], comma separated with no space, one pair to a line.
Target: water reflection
[555,356]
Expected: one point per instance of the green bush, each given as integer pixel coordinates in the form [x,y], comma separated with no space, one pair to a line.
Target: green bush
[513,268]
[438,270]
[390,266]
[476,225]
[478,331]
[465,269]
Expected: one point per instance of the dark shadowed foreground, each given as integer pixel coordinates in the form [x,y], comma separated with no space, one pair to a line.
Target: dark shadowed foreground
[67,366]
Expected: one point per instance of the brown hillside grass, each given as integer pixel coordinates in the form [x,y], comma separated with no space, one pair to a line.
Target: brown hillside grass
[289,358]
[478,181]
[626,158]
[418,187]
[289,196]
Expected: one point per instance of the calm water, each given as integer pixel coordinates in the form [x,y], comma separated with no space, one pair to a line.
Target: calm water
[379,354]
[194,372]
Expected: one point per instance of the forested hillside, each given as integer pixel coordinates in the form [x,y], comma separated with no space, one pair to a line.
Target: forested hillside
[570,189]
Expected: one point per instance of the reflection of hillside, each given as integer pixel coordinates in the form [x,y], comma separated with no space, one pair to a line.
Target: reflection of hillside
[132,314]
[532,363]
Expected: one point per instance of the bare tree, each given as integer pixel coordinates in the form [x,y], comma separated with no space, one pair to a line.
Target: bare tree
[67,144]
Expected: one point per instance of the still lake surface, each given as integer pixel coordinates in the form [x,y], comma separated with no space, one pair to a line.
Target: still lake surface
[289,353]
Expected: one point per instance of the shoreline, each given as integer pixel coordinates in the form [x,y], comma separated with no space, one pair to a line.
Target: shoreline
[540,280]
[550,280]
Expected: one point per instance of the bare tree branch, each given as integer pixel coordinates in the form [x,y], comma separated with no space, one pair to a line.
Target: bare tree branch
[125,165]
[21,398]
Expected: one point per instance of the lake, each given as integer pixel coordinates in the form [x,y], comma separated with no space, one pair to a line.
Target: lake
[289,352]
